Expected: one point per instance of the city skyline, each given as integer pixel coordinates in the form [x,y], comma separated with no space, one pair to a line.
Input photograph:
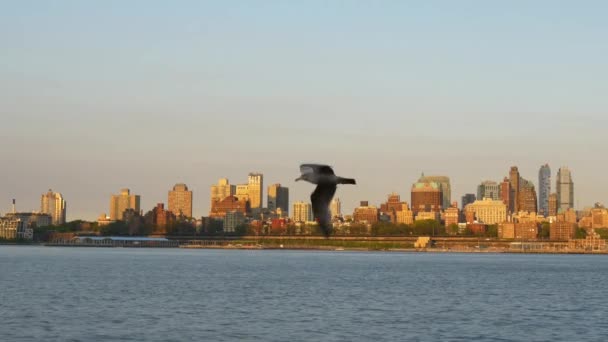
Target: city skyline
[349,208]
[222,89]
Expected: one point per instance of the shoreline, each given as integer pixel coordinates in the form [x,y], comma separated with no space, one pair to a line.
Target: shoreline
[321,248]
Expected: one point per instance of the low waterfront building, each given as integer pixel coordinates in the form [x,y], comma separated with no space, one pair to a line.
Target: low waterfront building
[526,230]
[12,228]
[562,231]
[232,220]
[506,230]
[477,228]
[115,241]
[32,220]
[522,230]
[104,220]
[428,215]
[405,215]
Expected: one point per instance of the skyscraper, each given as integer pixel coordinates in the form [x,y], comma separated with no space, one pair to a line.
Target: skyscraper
[544,189]
[242,192]
[120,203]
[335,207]
[505,192]
[278,197]
[180,200]
[302,212]
[527,197]
[552,210]
[468,199]
[255,188]
[426,197]
[444,186]
[52,203]
[488,189]
[565,189]
[514,195]
[222,190]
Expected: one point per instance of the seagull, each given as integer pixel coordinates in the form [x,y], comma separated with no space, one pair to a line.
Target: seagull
[327,182]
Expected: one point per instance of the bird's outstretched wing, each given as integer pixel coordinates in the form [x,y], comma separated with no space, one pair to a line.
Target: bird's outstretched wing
[320,200]
[316,169]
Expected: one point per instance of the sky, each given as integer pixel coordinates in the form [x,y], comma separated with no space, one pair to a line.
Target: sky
[96,96]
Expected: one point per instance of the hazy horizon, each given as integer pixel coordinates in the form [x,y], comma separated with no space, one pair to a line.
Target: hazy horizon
[99,96]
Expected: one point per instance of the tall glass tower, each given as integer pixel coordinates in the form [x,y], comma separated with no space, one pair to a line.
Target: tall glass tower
[565,189]
[544,189]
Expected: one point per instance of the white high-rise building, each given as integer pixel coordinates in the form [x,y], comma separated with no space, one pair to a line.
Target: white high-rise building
[52,203]
[302,212]
[565,189]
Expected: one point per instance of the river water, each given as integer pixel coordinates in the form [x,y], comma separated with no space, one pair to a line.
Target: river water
[120,294]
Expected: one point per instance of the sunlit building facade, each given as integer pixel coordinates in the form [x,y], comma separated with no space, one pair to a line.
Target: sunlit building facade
[222,189]
[180,200]
[255,188]
[278,198]
[52,203]
[426,197]
[444,187]
[302,212]
[120,203]
[488,211]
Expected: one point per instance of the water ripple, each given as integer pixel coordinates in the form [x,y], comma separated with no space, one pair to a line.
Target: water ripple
[72,294]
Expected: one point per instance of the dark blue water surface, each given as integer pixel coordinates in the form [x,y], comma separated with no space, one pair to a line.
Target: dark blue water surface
[97,294]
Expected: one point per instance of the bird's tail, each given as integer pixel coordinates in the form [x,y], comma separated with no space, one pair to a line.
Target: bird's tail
[346,181]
